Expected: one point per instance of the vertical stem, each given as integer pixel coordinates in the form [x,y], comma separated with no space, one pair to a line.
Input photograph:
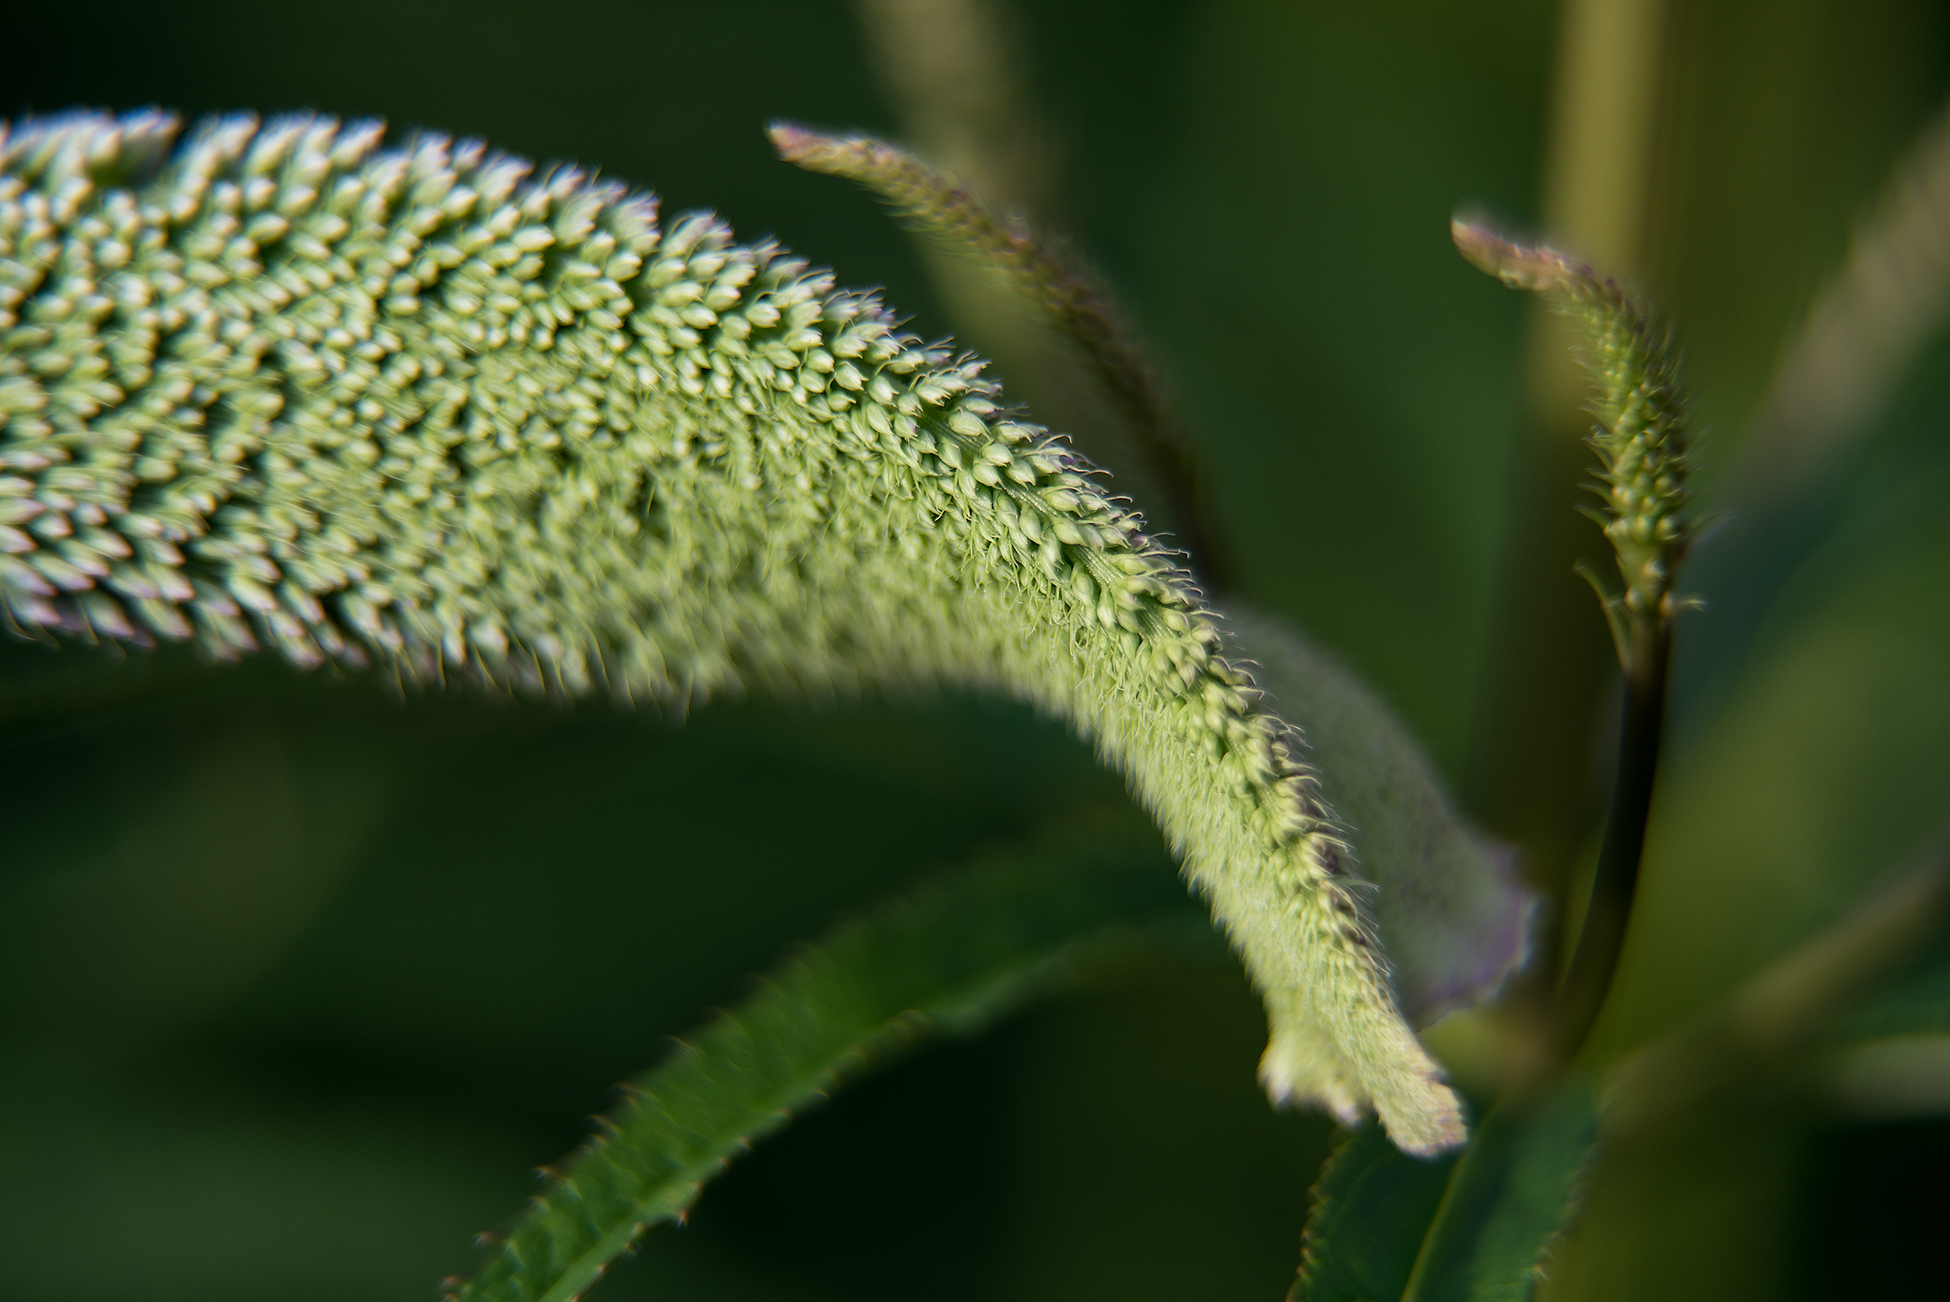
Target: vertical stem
[1602,937]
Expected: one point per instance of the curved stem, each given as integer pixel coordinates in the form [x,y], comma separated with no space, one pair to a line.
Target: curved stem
[1602,938]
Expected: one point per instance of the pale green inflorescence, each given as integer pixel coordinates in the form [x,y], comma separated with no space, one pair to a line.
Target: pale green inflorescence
[424,407]
[1642,445]
[1641,432]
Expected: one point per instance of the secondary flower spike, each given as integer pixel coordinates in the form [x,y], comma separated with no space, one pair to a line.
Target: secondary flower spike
[1640,437]
[429,408]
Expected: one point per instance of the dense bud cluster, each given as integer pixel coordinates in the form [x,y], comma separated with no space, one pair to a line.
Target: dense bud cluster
[425,407]
[1642,452]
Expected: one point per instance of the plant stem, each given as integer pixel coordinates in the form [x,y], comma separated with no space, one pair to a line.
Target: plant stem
[1602,937]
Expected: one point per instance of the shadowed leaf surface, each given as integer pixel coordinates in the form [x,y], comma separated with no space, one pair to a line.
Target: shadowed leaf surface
[946,959]
[1372,1207]
[1513,1195]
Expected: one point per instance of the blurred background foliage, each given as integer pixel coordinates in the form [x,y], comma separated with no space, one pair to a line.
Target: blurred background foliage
[303,978]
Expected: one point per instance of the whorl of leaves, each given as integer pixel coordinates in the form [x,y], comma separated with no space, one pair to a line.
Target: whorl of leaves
[426,407]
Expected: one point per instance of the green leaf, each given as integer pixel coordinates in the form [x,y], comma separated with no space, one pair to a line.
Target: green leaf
[1468,1227]
[945,959]
[1513,1194]
[425,409]
[1371,1208]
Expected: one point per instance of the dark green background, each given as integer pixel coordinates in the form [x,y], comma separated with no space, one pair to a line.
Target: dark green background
[302,979]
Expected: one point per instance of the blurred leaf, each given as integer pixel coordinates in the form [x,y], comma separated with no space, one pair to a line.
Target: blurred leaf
[1783,123]
[1387,1226]
[1771,1021]
[1880,308]
[1512,1196]
[948,958]
[1699,1210]
[1372,1207]
[1451,915]
[1917,1003]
